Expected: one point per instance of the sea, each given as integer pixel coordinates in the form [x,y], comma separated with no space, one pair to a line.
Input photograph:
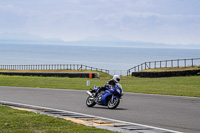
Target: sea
[116,59]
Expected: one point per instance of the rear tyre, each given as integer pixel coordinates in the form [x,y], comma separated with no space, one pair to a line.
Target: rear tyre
[112,104]
[90,101]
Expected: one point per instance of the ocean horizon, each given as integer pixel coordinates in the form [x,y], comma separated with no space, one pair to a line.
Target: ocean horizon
[111,58]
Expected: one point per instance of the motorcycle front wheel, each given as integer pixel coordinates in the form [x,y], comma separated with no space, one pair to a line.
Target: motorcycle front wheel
[112,104]
[90,101]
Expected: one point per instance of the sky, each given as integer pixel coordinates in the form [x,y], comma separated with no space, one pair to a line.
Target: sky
[157,21]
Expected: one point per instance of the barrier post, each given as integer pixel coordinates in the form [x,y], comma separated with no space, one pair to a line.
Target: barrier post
[90,75]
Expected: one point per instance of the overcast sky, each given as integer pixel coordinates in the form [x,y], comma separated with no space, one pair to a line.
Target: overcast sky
[163,21]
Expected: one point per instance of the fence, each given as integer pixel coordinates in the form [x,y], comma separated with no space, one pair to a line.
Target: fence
[61,67]
[118,72]
[146,65]
[52,67]
[165,63]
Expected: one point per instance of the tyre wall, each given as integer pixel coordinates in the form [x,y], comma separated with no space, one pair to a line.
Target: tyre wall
[166,74]
[71,75]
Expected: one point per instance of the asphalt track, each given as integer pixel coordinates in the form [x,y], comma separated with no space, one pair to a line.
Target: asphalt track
[169,112]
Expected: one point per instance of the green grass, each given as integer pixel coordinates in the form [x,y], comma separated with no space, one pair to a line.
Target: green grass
[179,86]
[15,121]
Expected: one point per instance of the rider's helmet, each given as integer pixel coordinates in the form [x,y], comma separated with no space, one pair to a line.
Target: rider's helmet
[116,78]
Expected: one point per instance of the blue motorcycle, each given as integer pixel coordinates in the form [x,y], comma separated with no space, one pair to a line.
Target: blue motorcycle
[109,97]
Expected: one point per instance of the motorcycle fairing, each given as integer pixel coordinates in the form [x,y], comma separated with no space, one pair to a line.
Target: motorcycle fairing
[104,96]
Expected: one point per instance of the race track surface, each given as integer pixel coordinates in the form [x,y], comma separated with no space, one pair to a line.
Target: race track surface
[169,112]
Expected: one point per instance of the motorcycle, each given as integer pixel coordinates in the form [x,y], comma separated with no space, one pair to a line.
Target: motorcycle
[109,97]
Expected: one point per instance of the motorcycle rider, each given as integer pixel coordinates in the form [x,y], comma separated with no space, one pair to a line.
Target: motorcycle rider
[112,82]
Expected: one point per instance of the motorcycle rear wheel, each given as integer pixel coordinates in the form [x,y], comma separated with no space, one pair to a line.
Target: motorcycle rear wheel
[90,101]
[112,104]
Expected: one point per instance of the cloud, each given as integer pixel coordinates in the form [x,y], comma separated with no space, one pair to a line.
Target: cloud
[78,19]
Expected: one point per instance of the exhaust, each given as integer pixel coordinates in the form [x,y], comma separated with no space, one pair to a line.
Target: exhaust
[89,93]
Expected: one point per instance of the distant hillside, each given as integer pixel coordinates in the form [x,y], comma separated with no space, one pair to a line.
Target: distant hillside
[24,38]
[105,41]
[131,44]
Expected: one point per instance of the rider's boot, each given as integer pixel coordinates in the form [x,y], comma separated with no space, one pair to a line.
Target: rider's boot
[97,92]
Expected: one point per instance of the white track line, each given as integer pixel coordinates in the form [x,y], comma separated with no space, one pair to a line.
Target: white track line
[131,123]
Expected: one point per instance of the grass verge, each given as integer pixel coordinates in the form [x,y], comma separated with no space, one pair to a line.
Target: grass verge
[179,86]
[16,121]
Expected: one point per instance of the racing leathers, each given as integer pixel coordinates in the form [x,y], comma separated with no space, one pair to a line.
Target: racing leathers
[109,83]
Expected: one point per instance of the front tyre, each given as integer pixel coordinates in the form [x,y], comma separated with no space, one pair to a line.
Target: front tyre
[90,101]
[112,104]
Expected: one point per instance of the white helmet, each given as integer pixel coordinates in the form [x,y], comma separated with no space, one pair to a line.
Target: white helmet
[116,78]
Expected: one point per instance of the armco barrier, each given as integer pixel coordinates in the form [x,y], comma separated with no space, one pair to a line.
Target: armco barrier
[45,74]
[166,74]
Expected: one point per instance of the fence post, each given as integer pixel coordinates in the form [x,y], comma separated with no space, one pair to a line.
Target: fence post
[145,65]
[185,62]
[171,63]
[192,63]
[160,64]
[178,63]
